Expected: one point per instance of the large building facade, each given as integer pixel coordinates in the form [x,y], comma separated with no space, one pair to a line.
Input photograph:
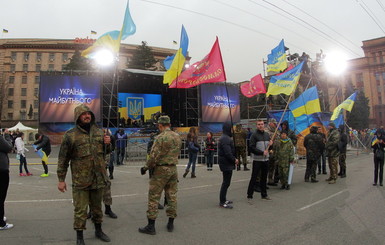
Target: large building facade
[21,61]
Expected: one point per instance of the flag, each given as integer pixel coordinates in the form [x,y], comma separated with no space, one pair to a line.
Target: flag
[288,69]
[93,32]
[175,69]
[276,61]
[374,140]
[307,103]
[111,40]
[5,31]
[41,154]
[347,105]
[208,70]
[183,45]
[286,82]
[254,87]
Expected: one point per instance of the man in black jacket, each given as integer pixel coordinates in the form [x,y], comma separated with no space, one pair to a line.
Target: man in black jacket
[342,147]
[260,143]
[227,162]
[42,142]
[5,148]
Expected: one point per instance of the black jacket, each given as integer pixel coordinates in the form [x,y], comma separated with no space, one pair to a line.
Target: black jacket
[44,144]
[226,150]
[259,142]
[342,145]
[5,148]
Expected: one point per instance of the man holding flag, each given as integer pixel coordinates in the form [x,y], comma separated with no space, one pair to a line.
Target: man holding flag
[43,142]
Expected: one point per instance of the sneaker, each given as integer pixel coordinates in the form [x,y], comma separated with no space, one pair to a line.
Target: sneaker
[6,227]
[229,202]
[22,174]
[29,174]
[5,219]
[374,184]
[314,181]
[43,175]
[288,187]
[266,198]
[224,205]
[250,201]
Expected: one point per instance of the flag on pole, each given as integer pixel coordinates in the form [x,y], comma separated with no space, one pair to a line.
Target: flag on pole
[183,45]
[5,31]
[208,70]
[307,103]
[93,32]
[254,87]
[111,40]
[286,82]
[276,61]
[347,105]
[175,69]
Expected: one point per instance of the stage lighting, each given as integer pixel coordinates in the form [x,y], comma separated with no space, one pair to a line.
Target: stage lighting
[335,62]
[104,57]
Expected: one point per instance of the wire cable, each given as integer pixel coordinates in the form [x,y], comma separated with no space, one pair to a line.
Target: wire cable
[370,16]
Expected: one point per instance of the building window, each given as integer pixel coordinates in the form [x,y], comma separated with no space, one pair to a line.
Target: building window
[25,67]
[51,57]
[38,57]
[379,99]
[11,79]
[10,116]
[38,68]
[10,104]
[65,57]
[23,104]
[377,75]
[359,77]
[13,56]
[51,67]
[63,67]
[10,91]
[13,68]
[374,58]
[35,115]
[24,79]
[35,104]
[23,91]
[23,115]
[381,57]
[37,79]
[26,56]
[36,92]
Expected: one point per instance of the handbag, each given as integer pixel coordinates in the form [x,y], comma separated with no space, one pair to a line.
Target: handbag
[17,156]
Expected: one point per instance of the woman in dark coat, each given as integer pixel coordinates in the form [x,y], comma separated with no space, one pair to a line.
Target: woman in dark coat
[5,148]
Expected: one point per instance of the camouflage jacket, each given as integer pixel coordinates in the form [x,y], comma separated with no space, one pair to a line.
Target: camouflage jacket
[165,150]
[85,152]
[314,146]
[283,151]
[240,138]
[332,143]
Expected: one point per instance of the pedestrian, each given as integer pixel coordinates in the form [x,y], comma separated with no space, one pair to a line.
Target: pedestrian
[163,159]
[5,148]
[84,148]
[284,155]
[227,161]
[20,150]
[290,133]
[378,145]
[193,149]
[240,137]
[43,142]
[260,143]
[314,145]
[321,162]
[209,150]
[342,145]
[121,144]
[273,176]
[332,152]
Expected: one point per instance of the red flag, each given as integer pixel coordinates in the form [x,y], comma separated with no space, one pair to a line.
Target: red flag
[287,69]
[254,87]
[208,70]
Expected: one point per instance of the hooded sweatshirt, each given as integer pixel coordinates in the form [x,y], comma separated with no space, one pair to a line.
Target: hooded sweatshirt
[226,150]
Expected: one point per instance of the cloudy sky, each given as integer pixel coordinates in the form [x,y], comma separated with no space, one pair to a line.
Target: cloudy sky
[247,29]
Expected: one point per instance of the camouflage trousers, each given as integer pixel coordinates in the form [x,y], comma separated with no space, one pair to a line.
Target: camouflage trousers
[273,176]
[81,200]
[240,152]
[107,198]
[333,167]
[342,161]
[164,178]
[283,168]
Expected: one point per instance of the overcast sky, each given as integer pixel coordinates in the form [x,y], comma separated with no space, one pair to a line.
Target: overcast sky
[247,29]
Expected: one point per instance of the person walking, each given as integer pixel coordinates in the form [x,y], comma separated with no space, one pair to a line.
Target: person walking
[193,149]
[43,142]
[240,137]
[378,149]
[227,162]
[20,150]
[5,148]
[163,159]
[332,152]
[209,150]
[342,145]
[121,144]
[314,145]
[84,148]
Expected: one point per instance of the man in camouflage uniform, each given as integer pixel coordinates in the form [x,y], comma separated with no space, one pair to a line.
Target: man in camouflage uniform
[314,145]
[163,159]
[284,156]
[332,152]
[84,148]
[273,176]
[240,136]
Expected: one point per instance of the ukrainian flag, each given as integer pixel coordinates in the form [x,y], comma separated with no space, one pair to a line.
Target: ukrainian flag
[307,103]
[374,140]
[175,69]
[286,82]
[183,45]
[276,61]
[5,31]
[347,105]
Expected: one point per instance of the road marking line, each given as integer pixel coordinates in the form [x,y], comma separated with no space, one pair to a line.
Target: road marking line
[322,200]
[61,200]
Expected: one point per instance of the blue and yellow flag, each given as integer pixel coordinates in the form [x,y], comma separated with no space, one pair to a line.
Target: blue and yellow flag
[286,82]
[175,69]
[183,45]
[374,140]
[5,31]
[276,61]
[347,105]
[111,40]
[307,103]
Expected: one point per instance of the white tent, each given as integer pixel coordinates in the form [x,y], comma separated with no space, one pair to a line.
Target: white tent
[29,133]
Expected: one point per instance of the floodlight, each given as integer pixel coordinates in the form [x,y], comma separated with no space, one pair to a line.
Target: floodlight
[335,62]
[104,57]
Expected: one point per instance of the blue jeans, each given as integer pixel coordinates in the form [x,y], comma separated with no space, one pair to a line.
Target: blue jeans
[192,159]
[23,162]
[210,159]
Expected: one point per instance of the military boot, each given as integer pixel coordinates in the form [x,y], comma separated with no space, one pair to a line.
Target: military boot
[333,181]
[100,234]
[185,173]
[238,167]
[170,224]
[109,212]
[79,238]
[343,175]
[148,229]
[245,168]
[193,175]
